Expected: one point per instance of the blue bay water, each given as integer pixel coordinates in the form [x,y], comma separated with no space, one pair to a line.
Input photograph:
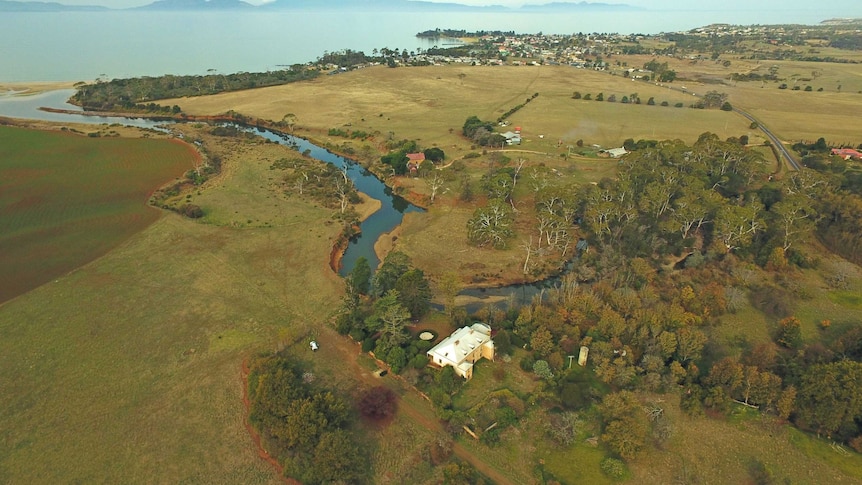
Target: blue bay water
[81,46]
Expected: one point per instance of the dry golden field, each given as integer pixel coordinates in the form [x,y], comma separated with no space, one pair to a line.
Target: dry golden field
[425,103]
[792,115]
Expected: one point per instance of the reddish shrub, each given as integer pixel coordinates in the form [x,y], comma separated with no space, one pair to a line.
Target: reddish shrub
[377,403]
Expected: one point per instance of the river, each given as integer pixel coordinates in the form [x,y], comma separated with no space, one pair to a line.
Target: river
[388,217]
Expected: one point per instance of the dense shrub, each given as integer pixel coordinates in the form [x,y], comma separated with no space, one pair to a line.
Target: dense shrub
[192,211]
[377,403]
[613,468]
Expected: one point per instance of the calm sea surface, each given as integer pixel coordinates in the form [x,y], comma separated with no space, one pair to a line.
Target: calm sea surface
[81,46]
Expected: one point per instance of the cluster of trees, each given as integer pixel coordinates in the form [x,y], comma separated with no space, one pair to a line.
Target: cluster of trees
[708,196]
[684,42]
[846,41]
[660,71]
[714,99]
[322,182]
[492,225]
[837,207]
[126,93]
[710,208]
[397,157]
[650,331]
[376,310]
[346,57]
[306,426]
[482,132]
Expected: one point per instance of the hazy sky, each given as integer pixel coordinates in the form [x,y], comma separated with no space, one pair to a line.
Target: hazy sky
[852,6]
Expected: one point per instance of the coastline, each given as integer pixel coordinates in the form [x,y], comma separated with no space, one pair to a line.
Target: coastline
[33,87]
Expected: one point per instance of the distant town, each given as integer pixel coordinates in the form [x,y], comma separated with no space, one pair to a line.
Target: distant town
[596,50]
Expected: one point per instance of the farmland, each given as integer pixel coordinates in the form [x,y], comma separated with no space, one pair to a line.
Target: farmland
[66,199]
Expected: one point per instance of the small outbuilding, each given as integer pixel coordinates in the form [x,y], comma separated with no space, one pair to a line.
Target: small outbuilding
[512,138]
[614,152]
[314,346]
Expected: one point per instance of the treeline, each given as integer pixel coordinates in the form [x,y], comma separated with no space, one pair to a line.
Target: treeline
[303,424]
[515,108]
[125,94]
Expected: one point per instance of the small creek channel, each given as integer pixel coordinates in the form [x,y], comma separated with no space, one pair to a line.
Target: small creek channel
[388,217]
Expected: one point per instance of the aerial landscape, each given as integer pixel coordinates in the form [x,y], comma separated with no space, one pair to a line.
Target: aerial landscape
[406,242]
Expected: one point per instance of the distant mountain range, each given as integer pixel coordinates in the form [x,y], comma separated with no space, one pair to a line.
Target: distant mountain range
[8,6]
[390,5]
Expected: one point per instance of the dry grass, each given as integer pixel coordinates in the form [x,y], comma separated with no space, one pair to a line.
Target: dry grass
[719,451]
[792,115]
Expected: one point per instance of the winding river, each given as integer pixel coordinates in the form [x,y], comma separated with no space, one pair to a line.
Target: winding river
[388,217]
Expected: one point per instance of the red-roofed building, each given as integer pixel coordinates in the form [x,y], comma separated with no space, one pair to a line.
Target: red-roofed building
[846,153]
[414,160]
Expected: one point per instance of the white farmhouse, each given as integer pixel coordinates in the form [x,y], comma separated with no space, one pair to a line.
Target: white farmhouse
[463,348]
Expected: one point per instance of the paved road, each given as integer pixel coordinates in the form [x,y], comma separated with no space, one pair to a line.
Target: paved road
[774,139]
[776,142]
